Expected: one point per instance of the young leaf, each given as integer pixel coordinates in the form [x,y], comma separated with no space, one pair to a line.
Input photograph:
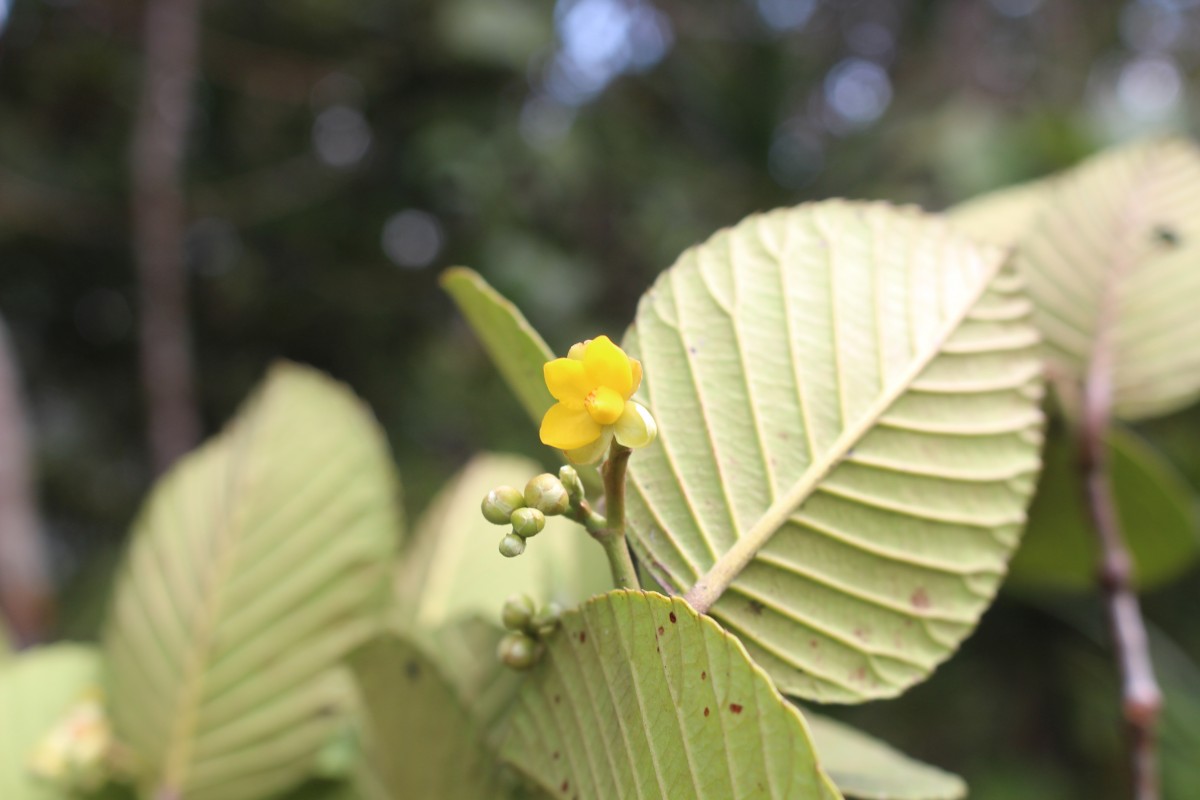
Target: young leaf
[865,768]
[516,348]
[639,696]
[420,740]
[36,690]
[847,403]
[453,570]
[1113,267]
[1156,508]
[257,563]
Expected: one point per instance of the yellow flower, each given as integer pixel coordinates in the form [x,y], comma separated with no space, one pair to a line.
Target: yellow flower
[593,385]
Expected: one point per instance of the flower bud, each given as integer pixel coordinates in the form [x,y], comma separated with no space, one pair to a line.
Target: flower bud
[500,503]
[511,545]
[571,482]
[527,522]
[545,621]
[547,494]
[518,651]
[517,612]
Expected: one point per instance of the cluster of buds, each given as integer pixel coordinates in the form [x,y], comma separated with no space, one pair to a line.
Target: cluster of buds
[80,752]
[527,626]
[544,496]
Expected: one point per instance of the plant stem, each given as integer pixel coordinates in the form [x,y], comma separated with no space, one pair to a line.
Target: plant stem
[609,530]
[1140,695]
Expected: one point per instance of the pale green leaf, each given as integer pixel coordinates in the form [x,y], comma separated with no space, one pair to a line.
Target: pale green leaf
[1002,217]
[847,399]
[637,695]
[518,351]
[1155,506]
[421,742]
[867,769]
[257,563]
[36,690]
[1113,267]
[453,569]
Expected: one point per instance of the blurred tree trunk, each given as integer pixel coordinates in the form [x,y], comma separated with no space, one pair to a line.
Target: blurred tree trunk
[25,593]
[159,217]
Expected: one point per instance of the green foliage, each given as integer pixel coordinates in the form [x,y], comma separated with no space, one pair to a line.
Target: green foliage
[36,690]
[451,569]
[640,695]
[867,769]
[518,351]
[847,400]
[258,562]
[1157,510]
[421,741]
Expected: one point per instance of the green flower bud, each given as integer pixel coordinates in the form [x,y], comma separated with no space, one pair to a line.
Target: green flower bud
[517,612]
[545,621]
[527,522]
[500,503]
[547,494]
[511,545]
[518,651]
[571,482]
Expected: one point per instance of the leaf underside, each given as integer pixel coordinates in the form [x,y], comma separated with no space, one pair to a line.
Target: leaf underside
[847,398]
[257,563]
[637,696]
[1002,217]
[865,768]
[1113,266]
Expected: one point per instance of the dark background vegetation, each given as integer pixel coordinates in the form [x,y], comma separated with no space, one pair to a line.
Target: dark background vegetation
[343,153]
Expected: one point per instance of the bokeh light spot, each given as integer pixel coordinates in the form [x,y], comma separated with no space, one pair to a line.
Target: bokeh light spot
[412,239]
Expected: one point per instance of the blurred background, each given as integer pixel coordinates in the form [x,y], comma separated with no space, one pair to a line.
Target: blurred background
[335,156]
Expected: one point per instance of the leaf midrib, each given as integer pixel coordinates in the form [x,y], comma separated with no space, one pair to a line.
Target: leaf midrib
[709,588]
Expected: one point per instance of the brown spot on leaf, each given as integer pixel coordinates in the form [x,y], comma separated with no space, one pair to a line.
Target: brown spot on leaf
[555,755]
[661,630]
[813,643]
[861,633]
[413,670]
[557,699]
[582,637]
[672,617]
[703,675]
[706,711]
[756,608]
[920,598]
[860,675]
[735,708]
[566,785]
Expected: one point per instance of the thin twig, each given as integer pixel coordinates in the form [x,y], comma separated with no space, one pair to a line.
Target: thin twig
[171,40]
[1140,694]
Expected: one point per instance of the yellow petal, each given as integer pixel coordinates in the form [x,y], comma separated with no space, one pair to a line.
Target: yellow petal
[605,405]
[568,428]
[607,365]
[636,367]
[576,351]
[567,381]
[636,427]
[593,452]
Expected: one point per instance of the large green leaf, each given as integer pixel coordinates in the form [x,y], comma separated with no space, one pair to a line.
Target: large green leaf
[1002,217]
[847,403]
[639,696]
[867,769]
[257,563]
[36,691]
[453,569]
[1156,508]
[516,348]
[421,741]
[1113,267]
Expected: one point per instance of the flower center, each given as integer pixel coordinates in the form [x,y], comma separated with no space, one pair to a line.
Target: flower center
[604,405]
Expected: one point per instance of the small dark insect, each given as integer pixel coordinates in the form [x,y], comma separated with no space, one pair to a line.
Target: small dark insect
[1166,236]
[756,608]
